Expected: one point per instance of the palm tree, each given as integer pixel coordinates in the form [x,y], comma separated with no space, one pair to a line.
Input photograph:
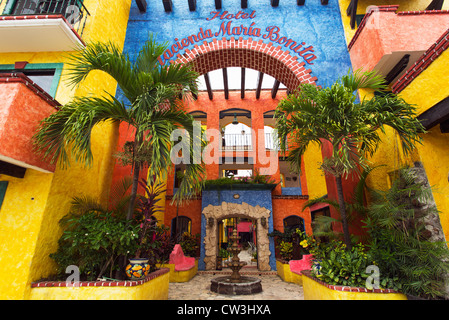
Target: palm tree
[152,105]
[335,114]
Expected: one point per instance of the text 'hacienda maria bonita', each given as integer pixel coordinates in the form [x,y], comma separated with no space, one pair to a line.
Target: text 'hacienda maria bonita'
[232,26]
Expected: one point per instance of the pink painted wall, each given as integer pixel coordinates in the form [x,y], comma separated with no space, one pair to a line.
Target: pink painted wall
[388,31]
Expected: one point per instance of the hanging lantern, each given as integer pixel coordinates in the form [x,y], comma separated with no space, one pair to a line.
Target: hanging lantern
[235,121]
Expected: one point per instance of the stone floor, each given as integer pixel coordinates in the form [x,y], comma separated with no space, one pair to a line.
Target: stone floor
[273,287]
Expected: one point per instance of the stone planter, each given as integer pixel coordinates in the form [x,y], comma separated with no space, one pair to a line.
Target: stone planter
[153,287]
[314,289]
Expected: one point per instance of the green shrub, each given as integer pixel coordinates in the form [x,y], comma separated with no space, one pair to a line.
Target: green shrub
[286,250]
[190,244]
[401,244]
[340,266]
[92,242]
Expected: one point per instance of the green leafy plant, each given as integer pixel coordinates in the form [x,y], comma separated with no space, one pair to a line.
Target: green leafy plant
[286,250]
[400,241]
[255,178]
[190,244]
[147,206]
[223,253]
[343,267]
[93,242]
[307,243]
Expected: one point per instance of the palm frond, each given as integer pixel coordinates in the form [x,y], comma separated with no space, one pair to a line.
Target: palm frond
[106,57]
[66,134]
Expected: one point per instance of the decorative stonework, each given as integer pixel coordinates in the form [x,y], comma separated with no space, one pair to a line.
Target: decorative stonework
[226,210]
[268,58]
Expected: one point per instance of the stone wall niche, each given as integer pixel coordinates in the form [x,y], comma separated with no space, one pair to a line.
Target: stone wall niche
[244,210]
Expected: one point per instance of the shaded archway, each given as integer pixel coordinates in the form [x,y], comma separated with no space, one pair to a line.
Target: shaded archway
[212,214]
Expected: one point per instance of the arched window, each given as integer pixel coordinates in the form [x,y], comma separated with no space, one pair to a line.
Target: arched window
[180,225]
[293,222]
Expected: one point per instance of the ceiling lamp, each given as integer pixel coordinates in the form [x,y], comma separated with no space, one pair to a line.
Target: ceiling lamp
[235,121]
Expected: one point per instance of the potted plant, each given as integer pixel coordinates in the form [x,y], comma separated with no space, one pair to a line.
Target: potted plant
[286,250]
[139,266]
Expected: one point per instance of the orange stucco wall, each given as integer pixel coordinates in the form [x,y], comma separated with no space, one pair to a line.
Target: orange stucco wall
[21,110]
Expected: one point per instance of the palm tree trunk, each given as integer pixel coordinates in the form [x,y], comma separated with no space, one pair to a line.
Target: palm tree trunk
[133,195]
[342,205]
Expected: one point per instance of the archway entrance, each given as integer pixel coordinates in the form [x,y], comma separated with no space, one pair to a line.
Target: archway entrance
[246,230]
[256,216]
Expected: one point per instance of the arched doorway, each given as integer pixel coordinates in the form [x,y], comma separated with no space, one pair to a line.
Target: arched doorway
[212,216]
[246,230]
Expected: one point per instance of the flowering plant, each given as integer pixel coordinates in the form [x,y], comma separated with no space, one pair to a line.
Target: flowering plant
[308,243]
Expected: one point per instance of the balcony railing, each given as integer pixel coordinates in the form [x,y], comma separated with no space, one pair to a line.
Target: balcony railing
[243,142]
[74,11]
[237,142]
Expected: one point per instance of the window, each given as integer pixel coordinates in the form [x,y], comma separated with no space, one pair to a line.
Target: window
[180,225]
[45,75]
[292,223]
[3,186]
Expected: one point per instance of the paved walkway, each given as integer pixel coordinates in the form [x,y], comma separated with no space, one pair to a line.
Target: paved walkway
[198,288]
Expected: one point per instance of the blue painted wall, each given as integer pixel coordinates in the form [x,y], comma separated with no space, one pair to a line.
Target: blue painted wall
[317,25]
[251,197]
[314,24]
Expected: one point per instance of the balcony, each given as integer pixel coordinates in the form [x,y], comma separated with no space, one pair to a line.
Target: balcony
[23,105]
[237,142]
[243,142]
[390,42]
[42,25]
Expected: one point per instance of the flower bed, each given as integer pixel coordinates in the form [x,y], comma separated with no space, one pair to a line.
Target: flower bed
[314,289]
[153,287]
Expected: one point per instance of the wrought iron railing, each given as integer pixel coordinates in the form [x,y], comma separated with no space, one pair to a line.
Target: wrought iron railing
[73,11]
[236,142]
[243,142]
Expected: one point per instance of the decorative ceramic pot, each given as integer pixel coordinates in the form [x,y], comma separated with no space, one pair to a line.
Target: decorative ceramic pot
[137,269]
[316,266]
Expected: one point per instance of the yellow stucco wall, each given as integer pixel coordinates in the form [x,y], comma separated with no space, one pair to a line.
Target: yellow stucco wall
[316,182]
[20,218]
[284,272]
[34,225]
[430,87]
[155,289]
[316,291]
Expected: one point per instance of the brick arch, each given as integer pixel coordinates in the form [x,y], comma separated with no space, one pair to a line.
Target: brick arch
[257,55]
